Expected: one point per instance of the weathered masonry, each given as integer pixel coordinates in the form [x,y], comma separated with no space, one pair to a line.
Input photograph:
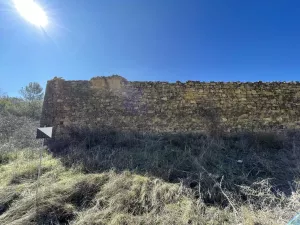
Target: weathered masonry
[170,107]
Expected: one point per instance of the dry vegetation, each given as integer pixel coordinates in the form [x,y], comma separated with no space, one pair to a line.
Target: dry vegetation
[141,179]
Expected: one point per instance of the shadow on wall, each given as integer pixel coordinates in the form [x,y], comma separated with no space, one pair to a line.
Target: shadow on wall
[200,161]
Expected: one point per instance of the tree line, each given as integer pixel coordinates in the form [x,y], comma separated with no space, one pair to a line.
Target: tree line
[19,117]
[29,104]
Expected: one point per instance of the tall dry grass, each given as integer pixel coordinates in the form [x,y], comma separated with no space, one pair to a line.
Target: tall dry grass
[70,196]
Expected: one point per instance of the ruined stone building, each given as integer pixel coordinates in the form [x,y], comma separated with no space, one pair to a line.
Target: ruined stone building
[170,107]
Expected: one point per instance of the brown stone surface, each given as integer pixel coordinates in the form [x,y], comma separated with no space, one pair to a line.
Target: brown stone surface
[161,106]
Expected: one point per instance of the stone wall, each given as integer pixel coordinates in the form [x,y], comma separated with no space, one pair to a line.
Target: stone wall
[171,107]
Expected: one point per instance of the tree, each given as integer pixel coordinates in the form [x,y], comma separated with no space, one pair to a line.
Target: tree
[2,94]
[32,92]
[3,101]
[33,97]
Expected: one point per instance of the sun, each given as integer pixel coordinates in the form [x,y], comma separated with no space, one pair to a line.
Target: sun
[32,12]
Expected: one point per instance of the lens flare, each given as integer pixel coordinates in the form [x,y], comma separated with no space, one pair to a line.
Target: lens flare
[32,12]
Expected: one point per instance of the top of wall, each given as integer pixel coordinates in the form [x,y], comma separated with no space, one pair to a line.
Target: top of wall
[112,78]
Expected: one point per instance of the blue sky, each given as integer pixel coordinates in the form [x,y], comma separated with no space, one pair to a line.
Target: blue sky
[165,40]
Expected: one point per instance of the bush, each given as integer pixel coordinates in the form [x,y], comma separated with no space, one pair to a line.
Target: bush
[18,131]
[21,108]
[19,117]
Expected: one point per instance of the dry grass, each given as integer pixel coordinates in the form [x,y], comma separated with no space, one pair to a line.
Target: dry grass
[197,160]
[69,196]
[122,178]
[210,186]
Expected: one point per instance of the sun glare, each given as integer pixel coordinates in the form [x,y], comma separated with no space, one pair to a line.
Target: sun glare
[32,12]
